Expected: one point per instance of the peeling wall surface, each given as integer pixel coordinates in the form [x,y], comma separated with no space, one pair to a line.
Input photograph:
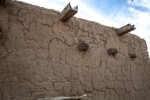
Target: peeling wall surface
[39,58]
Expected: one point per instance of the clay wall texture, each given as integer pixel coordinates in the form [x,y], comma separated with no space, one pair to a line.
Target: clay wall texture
[39,58]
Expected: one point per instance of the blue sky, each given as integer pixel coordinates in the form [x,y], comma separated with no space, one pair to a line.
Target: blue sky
[115,13]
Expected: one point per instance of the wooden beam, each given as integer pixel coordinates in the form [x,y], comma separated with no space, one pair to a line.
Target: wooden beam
[68,12]
[66,98]
[2,2]
[125,29]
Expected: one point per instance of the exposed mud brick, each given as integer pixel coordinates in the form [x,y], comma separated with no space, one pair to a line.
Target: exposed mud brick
[39,58]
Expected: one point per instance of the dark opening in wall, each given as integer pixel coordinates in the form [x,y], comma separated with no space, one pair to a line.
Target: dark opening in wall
[112,51]
[82,46]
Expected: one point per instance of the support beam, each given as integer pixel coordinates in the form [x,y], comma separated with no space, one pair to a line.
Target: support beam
[2,2]
[68,12]
[1,33]
[125,29]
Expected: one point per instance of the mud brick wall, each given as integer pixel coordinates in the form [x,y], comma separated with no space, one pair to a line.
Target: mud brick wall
[39,58]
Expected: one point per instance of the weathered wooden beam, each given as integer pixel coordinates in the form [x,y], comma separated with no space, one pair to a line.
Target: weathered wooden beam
[125,29]
[1,33]
[2,2]
[68,12]
[66,98]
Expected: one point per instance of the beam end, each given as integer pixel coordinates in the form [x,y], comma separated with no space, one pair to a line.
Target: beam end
[68,12]
[133,27]
[125,29]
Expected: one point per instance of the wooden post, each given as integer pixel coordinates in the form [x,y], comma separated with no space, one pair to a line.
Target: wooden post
[2,2]
[68,12]
[125,29]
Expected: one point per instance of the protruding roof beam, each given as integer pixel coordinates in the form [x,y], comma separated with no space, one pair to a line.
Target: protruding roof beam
[68,12]
[2,2]
[125,29]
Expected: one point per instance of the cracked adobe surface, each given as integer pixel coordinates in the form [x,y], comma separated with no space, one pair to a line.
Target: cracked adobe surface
[39,57]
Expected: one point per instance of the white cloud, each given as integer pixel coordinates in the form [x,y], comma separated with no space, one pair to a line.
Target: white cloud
[89,14]
[142,3]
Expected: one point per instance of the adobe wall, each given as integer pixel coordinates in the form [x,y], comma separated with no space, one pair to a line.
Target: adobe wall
[39,58]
